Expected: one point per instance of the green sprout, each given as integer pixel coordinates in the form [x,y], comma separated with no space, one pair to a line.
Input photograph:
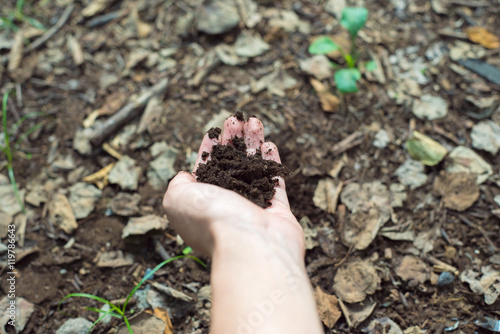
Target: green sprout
[353,19]
[115,310]
[18,15]
[8,147]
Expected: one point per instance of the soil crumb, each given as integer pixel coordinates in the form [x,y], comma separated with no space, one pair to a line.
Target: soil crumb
[214,133]
[239,116]
[249,176]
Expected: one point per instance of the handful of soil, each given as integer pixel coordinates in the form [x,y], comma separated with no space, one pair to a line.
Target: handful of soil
[250,176]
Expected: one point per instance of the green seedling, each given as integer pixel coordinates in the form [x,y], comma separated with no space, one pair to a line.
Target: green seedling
[353,19]
[18,15]
[115,310]
[9,147]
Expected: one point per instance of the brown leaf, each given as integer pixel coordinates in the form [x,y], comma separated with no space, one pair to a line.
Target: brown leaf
[459,190]
[355,280]
[327,306]
[163,315]
[482,36]
[412,268]
[329,102]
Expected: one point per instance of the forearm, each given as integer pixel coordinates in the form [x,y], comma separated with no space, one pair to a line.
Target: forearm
[258,287]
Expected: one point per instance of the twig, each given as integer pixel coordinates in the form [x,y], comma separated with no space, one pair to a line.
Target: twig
[160,250]
[132,109]
[438,264]
[480,229]
[354,139]
[51,32]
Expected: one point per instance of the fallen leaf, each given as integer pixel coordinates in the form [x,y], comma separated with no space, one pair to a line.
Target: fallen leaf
[485,135]
[125,173]
[144,322]
[61,214]
[488,284]
[143,225]
[482,36]
[458,190]
[362,227]
[114,259]
[465,160]
[383,325]
[216,17]
[370,205]
[275,82]
[82,199]
[355,280]
[430,107]
[356,313]
[125,204]
[412,268]
[329,102]
[162,313]
[250,45]
[319,66]
[327,195]
[310,232]
[425,149]
[327,306]
[411,173]
[23,312]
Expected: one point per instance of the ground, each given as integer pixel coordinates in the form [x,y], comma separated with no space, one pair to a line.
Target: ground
[90,65]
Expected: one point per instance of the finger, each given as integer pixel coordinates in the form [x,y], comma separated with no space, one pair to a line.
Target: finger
[270,152]
[205,149]
[254,134]
[180,178]
[233,127]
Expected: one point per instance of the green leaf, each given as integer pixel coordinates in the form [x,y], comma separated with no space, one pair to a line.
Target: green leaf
[323,45]
[371,65]
[354,19]
[346,80]
[425,149]
[187,250]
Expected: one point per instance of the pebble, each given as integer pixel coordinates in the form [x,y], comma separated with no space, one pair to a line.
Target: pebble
[75,326]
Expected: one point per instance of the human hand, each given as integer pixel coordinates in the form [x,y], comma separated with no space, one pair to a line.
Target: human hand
[208,216]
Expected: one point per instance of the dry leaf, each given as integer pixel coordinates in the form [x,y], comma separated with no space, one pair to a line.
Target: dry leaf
[329,102]
[163,315]
[481,36]
[412,268]
[356,313]
[328,309]
[355,280]
[459,190]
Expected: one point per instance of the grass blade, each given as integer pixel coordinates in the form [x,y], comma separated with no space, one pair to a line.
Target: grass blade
[99,299]
[26,134]
[14,185]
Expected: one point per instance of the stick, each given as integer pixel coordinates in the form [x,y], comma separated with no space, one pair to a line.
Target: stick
[132,109]
[51,32]
[354,139]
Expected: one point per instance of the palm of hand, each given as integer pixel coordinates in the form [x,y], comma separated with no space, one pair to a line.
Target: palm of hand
[202,213]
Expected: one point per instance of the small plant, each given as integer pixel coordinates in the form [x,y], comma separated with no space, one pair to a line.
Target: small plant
[116,311]
[9,148]
[353,19]
[18,15]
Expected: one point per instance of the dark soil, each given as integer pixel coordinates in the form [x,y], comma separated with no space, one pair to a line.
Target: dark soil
[250,176]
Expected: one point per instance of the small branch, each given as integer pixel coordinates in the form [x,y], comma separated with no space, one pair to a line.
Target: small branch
[51,32]
[132,109]
[354,139]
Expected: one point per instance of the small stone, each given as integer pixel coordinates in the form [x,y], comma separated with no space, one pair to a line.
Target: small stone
[75,326]
[216,16]
[445,278]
